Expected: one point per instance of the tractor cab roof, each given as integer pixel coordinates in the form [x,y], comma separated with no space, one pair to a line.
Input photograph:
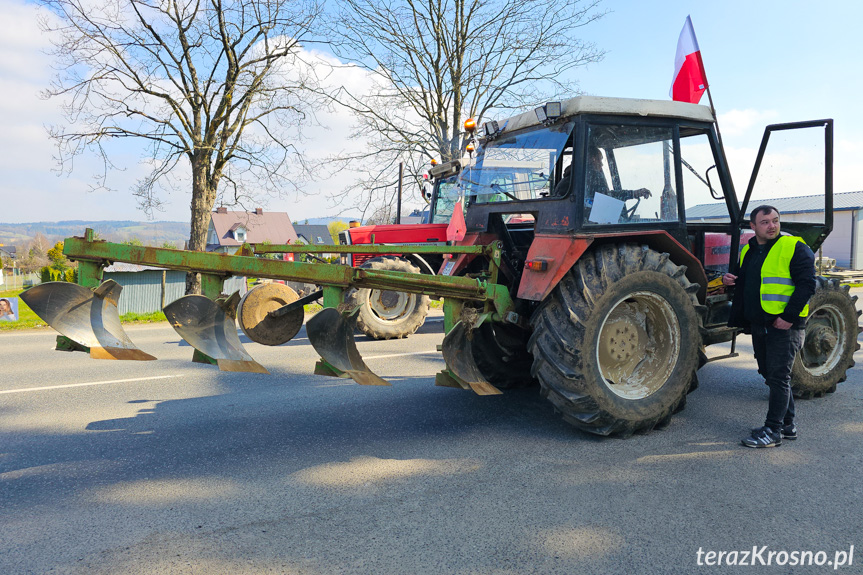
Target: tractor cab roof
[612,107]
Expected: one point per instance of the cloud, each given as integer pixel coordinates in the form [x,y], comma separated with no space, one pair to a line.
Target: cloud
[737,122]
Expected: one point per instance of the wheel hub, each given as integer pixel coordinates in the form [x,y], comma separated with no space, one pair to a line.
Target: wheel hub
[820,341]
[622,340]
[638,345]
[821,349]
[390,305]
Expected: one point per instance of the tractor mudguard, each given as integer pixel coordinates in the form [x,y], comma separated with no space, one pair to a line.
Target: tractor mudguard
[559,254]
[562,252]
[420,262]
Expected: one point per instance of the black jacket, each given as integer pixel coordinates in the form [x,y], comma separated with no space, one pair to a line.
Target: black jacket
[802,269]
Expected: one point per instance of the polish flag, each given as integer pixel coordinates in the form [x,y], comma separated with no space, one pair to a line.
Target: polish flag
[690,81]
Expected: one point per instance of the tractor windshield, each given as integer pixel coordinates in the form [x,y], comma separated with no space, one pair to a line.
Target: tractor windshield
[515,168]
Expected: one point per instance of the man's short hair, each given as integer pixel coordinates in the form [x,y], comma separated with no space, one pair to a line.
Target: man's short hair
[762,209]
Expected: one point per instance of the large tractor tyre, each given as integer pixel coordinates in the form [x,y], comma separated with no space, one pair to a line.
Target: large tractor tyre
[388,314]
[831,340]
[500,352]
[616,345]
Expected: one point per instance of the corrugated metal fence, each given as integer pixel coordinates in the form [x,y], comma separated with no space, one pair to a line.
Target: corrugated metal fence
[147,289]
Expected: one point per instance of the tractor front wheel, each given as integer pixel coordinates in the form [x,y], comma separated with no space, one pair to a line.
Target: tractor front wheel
[388,314]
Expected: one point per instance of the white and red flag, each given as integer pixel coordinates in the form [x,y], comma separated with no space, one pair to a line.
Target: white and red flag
[690,81]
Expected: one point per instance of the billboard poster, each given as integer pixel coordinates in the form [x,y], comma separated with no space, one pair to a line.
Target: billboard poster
[9,309]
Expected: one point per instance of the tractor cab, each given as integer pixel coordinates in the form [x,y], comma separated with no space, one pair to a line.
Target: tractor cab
[595,168]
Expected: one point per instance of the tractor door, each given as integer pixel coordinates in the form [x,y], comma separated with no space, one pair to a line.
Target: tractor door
[710,204]
[795,175]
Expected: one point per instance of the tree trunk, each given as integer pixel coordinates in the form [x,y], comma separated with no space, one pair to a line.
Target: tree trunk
[203,198]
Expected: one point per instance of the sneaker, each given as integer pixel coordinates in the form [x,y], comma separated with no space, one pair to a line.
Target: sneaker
[789,432]
[763,437]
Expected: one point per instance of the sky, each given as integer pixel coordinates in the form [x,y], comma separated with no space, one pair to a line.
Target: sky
[766,62]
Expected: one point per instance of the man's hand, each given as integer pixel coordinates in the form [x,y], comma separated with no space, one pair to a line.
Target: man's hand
[642,193]
[780,323]
[729,279]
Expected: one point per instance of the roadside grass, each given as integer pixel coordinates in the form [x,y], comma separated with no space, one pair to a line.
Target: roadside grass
[151,317]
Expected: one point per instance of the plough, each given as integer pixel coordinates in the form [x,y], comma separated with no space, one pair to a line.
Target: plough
[87,316]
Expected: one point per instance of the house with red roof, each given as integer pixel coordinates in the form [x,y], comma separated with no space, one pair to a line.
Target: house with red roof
[229,230]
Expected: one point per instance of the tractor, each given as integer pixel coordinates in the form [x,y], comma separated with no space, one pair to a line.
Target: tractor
[388,314]
[616,292]
[581,268]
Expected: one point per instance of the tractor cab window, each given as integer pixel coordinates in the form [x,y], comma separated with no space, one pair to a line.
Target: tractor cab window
[516,168]
[630,175]
[445,199]
[703,195]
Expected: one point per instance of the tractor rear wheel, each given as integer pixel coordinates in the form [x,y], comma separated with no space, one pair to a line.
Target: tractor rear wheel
[831,340]
[388,314]
[616,344]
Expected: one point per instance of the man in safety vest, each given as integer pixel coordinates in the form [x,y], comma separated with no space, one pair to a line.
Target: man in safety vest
[775,281]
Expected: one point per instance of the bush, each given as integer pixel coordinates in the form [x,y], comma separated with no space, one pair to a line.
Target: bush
[49,274]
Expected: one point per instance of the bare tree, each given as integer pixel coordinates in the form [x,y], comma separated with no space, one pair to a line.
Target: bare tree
[438,62]
[33,254]
[218,84]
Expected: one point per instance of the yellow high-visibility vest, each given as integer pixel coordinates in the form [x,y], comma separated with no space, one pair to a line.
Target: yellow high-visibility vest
[776,284]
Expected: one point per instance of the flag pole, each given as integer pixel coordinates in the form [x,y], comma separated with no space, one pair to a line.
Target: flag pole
[715,118]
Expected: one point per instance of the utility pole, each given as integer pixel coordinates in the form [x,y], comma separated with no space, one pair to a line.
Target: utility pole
[399,194]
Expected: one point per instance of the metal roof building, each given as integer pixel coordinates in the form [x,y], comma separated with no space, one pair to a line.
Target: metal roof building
[147,289]
[845,243]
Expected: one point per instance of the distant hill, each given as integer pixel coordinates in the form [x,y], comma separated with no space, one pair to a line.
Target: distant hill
[150,233]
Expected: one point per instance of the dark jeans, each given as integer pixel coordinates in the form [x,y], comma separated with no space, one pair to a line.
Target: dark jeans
[775,350]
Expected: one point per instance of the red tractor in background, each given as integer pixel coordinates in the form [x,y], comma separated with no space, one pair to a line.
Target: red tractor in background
[389,314]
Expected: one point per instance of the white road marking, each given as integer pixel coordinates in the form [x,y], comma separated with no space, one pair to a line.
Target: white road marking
[399,354]
[25,390]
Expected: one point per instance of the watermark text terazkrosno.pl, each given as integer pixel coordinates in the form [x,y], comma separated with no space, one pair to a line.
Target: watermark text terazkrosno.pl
[763,555]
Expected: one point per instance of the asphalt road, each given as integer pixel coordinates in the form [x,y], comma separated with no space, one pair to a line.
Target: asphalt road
[175,467]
